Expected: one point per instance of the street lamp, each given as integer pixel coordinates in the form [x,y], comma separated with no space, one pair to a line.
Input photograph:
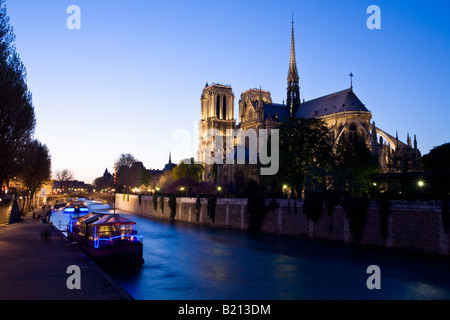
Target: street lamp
[421,184]
[285,187]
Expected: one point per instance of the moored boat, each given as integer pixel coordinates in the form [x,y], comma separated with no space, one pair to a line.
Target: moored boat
[78,207]
[110,239]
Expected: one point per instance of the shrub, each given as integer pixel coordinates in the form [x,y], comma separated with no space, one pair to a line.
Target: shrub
[212,207]
[155,202]
[257,209]
[356,212]
[161,204]
[173,206]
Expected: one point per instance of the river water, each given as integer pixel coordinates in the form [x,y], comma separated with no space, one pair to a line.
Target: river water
[187,262]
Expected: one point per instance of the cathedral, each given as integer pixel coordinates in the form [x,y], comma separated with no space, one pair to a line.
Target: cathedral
[342,112]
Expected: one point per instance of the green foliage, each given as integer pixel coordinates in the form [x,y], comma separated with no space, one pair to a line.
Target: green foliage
[384,206]
[198,206]
[145,178]
[437,159]
[304,147]
[257,209]
[128,172]
[36,166]
[173,206]
[436,165]
[16,108]
[353,166]
[161,204]
[212,207]
[155,202]
[188,170]
[214,172]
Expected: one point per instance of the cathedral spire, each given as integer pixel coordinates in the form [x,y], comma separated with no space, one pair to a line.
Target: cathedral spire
[293,64]
[293,90]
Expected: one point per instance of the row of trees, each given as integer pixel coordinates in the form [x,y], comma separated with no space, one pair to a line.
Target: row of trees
[185,178]
[21,155]
[308,162]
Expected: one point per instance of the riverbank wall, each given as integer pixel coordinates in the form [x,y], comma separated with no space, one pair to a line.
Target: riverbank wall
[410,226]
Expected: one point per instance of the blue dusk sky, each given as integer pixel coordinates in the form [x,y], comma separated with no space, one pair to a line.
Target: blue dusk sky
[130,80]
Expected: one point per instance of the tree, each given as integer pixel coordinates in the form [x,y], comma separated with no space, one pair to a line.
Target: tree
[17,121]
[145,179]
[436,166]
[103,182]
[437,159]
[125,174]
[353,165]
[36,166]
[188,169]
[63,176]
[305,152]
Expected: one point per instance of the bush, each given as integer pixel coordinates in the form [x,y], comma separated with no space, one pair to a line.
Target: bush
[212,208]
[161,204]
[257,209]
[173,206]
[385,210]
[198,206]
[356,212]
[155,202]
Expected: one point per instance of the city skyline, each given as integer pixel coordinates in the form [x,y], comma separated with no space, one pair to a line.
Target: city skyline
[132,76]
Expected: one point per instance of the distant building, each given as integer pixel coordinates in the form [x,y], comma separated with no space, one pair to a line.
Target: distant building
[169,166]
[71,186]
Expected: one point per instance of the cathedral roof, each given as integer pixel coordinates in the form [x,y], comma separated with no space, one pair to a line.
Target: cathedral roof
[342,101]
[273,111]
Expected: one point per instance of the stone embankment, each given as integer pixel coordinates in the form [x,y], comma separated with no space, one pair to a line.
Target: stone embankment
[411,226]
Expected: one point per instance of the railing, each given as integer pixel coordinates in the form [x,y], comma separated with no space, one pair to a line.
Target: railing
[124,237]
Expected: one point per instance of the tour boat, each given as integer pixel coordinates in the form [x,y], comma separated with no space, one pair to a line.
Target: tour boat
[110,239]
[76,207]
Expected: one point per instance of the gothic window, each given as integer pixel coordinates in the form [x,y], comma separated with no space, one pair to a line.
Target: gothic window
[218,107]
[224,108]
[353,132]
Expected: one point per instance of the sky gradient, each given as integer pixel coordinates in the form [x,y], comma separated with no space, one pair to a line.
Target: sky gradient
[132,76]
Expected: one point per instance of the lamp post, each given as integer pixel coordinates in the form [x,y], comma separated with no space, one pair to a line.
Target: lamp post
[285,187]
[421,185]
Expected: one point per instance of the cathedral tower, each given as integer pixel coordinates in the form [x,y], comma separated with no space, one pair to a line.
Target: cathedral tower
[217,113]
[293,89]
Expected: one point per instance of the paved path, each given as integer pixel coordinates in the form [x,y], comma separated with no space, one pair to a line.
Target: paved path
[35,268]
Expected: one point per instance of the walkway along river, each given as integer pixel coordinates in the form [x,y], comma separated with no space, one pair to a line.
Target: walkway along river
[191,262]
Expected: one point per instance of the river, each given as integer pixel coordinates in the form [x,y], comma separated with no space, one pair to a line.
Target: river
[188,262]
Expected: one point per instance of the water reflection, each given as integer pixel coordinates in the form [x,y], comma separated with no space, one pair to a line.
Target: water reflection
[191,262]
